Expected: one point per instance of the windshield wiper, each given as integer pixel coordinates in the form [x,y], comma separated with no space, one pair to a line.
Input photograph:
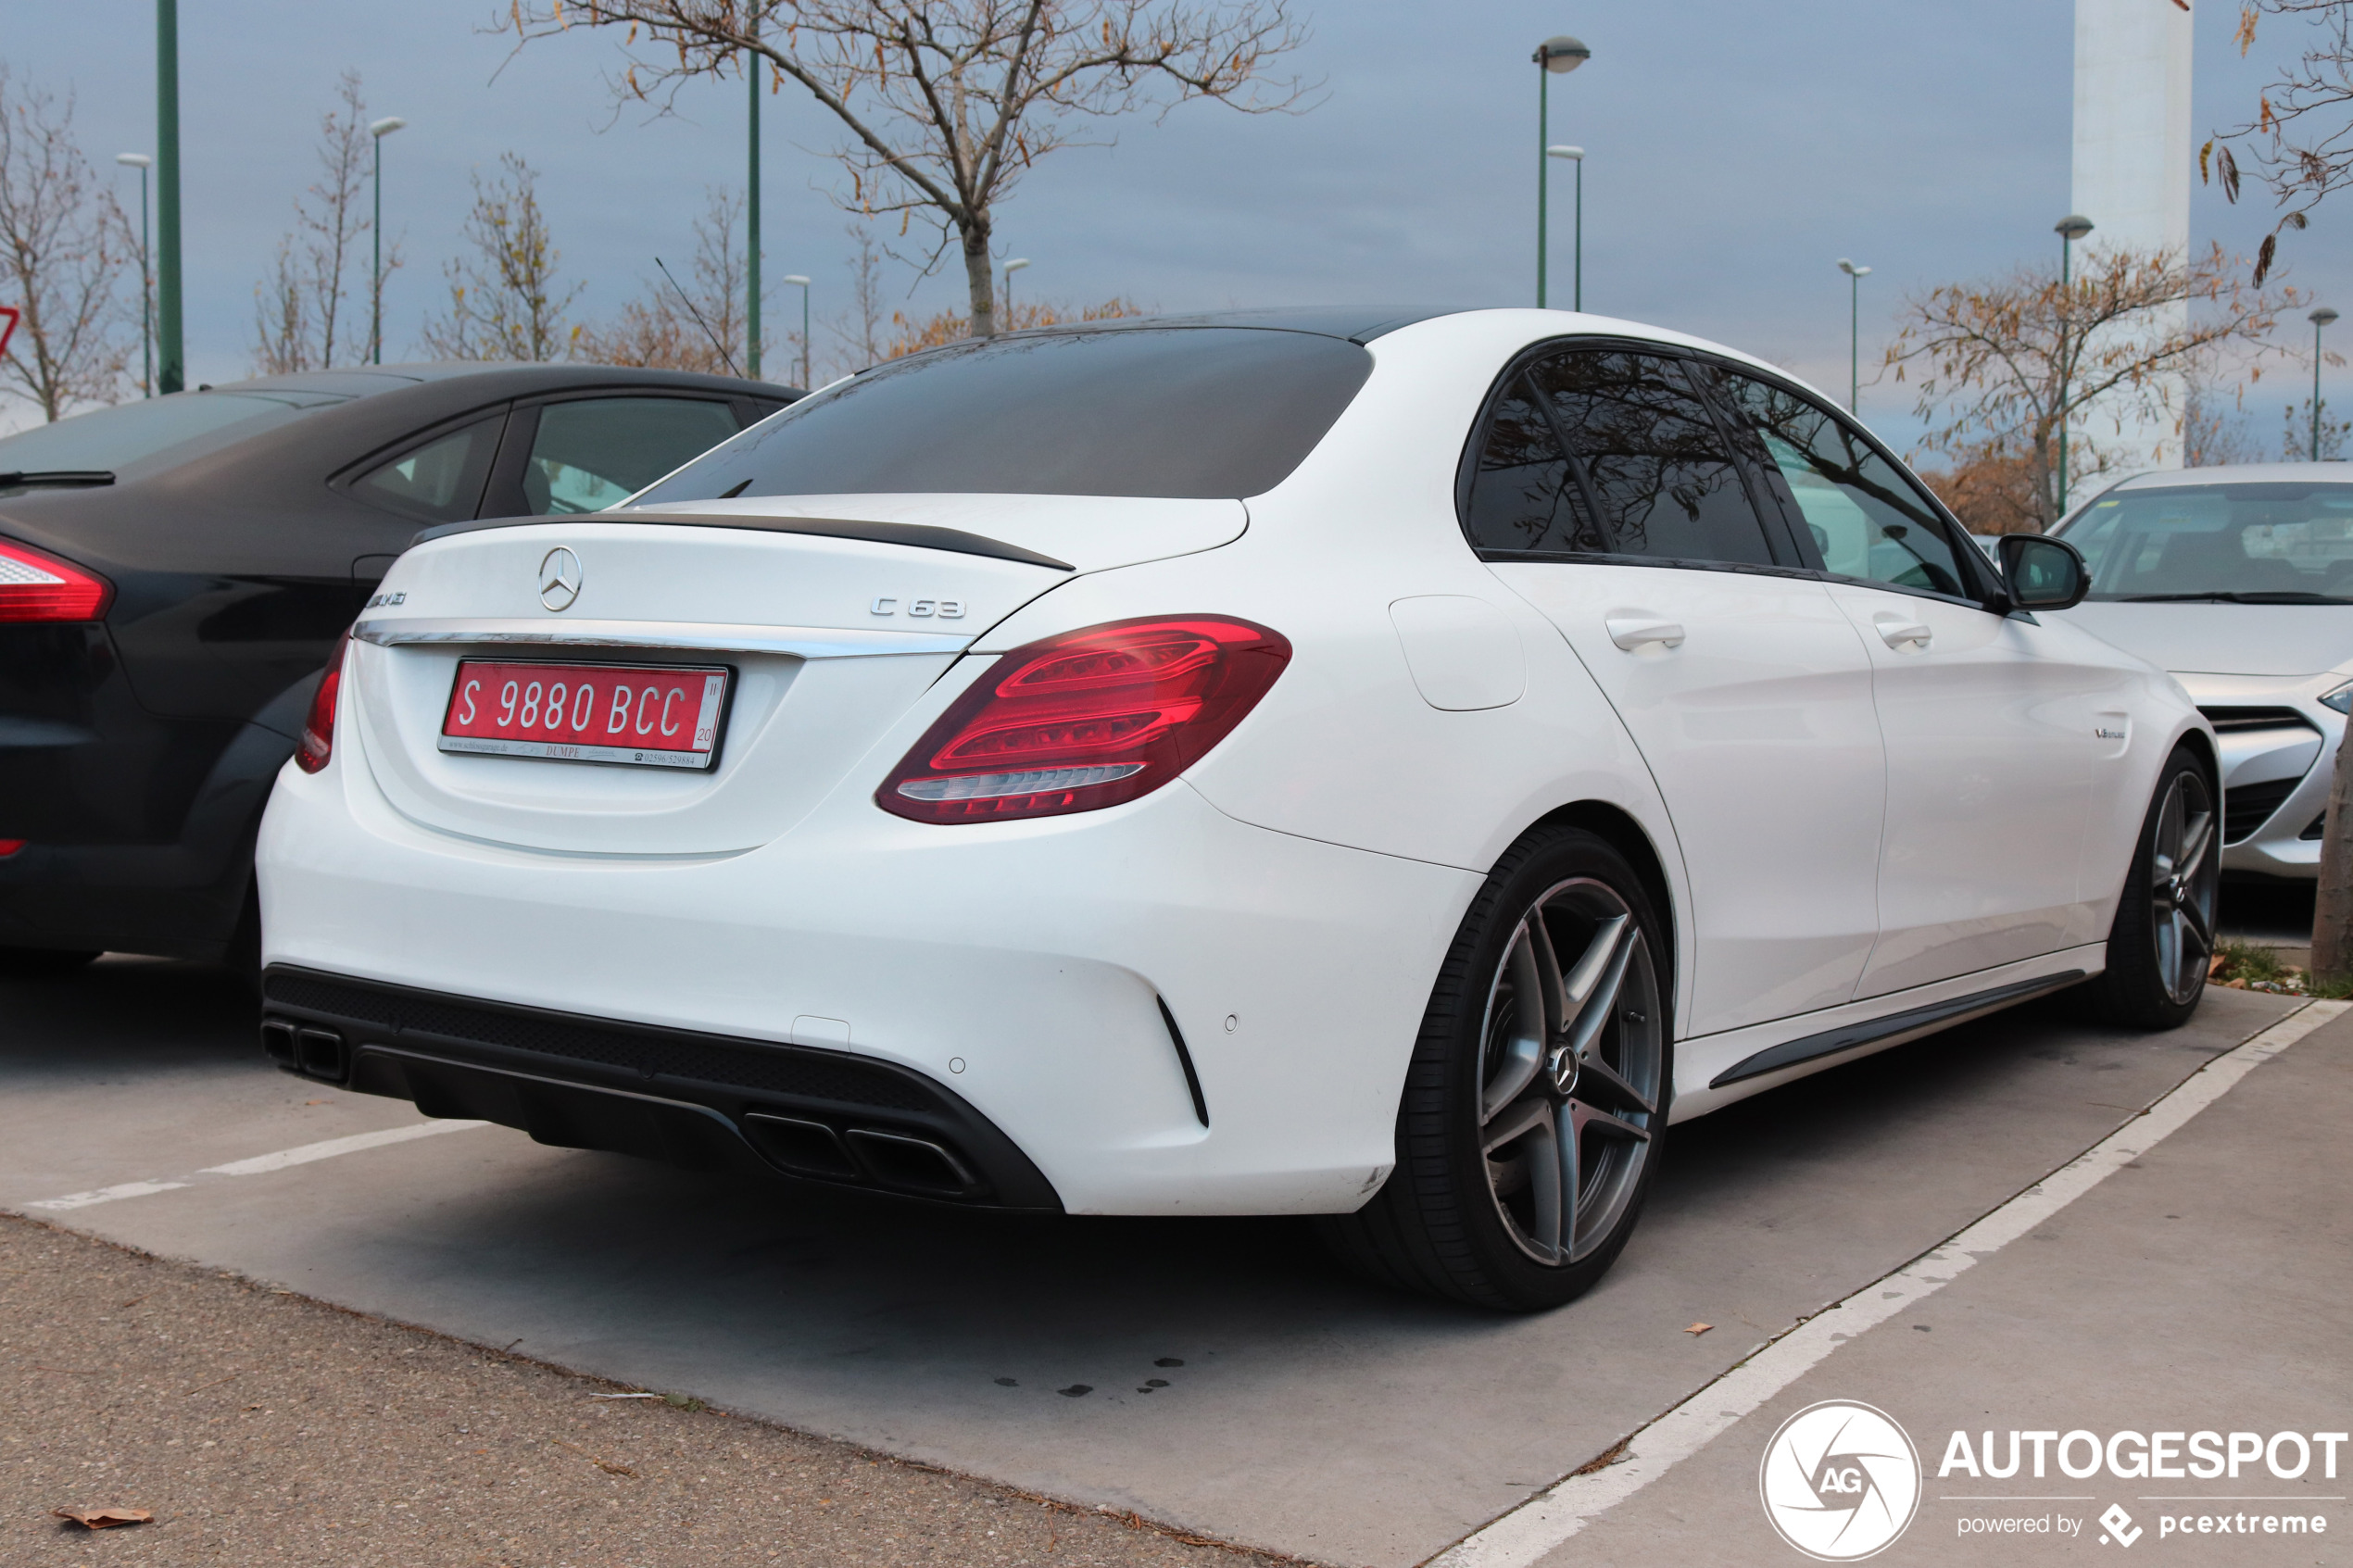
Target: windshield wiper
[28,479]
[2255,597]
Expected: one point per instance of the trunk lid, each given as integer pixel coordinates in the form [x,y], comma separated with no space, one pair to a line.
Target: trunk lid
[832,615]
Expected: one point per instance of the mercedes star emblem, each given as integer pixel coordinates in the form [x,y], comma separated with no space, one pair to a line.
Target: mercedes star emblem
[559,579]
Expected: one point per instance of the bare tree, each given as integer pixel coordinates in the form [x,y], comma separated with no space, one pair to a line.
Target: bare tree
[2295,445]
[946,102]
[860,328]
[64,246]
[2302,132]
[681,324]
[2214,427]
[1990,488]
[300,309]
[281,317]
[2011,362]
[505,299]
[952,326]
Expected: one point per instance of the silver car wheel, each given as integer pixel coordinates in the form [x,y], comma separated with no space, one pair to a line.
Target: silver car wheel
[1569,1073]
[2185,876]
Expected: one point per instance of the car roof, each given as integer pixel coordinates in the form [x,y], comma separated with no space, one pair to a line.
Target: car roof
[492,378]
[2243,473]
[1352,323]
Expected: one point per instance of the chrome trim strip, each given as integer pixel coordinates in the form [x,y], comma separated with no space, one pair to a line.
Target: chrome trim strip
[801,641]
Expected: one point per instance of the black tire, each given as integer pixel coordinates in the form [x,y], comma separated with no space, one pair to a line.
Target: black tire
[1452,1221]
[2162,939]
[243,958]
[42,964]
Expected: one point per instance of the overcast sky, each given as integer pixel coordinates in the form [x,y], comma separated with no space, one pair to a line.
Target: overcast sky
[1736,151]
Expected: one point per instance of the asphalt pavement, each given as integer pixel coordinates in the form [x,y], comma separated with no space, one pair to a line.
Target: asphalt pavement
[1218,1376]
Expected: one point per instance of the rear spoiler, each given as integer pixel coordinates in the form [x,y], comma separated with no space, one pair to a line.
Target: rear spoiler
[917,535]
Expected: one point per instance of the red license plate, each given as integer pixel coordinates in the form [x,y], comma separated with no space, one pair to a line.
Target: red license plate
[648,716]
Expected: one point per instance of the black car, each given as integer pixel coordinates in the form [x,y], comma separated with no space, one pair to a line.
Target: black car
[174,571]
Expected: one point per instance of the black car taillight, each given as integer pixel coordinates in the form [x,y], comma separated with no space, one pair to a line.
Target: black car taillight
[38,586]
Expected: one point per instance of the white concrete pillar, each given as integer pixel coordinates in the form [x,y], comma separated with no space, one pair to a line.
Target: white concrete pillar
[2131,173]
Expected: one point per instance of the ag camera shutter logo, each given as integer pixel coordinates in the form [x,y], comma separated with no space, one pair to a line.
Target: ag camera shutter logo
[1839,1481]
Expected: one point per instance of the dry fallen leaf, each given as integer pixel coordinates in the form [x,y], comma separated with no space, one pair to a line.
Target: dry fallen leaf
[1699,1328]
[102,1518]
[606,1465]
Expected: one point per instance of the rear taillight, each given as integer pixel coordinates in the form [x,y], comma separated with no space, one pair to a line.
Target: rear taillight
[34,587]
[9,846]
[1087,720]
[318,728]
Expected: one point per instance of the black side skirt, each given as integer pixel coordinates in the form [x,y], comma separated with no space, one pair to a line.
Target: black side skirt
[1884,1031]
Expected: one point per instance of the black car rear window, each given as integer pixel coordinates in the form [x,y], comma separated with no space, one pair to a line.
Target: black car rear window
[116,438]
[1199,412]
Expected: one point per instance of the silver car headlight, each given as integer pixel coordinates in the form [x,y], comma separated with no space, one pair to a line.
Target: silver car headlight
[2341,700]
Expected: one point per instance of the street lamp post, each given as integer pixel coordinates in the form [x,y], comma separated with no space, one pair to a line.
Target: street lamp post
[797,281]
[1555,56]
[2072,228]
[1854,276]
[377,131]
[1016,265]
[141,161]
[2318,318]
[1577,266]
[172,372]
[751,221]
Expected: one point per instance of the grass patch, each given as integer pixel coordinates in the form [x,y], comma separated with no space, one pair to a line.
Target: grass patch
[2243,966]
[2248,963]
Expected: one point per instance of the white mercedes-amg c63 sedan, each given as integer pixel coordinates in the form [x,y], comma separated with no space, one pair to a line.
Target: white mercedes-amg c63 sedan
[1384,768]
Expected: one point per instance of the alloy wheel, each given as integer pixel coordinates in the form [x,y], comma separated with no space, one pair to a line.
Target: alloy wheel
[2185,876]
[1570,1071]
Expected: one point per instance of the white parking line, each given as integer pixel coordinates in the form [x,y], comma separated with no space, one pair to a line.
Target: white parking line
[260,1164]
[1553,1516]
[106,1195]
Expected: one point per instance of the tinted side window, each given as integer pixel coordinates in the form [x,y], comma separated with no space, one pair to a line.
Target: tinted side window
[594,452]
[1865,517]
[1653,457]
[440,481]
[1522,497]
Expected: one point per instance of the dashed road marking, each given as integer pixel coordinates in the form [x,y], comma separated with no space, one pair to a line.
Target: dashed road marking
[259,1165]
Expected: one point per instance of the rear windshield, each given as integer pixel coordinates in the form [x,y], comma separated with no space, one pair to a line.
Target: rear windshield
[113,439]
[1193,412]
[2266,543]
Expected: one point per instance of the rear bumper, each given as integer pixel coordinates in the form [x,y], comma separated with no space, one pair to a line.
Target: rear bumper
[1054,977]
[140,826]
[700,1101]
[180,898]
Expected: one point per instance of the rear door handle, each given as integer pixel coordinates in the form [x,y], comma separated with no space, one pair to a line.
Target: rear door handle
[1894,631]
[1631,631]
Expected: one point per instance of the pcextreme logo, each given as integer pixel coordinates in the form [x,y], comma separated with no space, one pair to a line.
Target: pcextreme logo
[1839,1481]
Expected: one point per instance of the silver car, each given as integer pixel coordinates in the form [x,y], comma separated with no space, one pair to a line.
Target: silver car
[2239,580]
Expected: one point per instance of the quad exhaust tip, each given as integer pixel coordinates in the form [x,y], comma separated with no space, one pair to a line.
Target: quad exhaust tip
[897,1160]
[312,1052]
